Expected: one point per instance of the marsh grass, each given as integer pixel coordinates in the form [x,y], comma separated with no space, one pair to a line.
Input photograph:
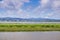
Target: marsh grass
[29,27]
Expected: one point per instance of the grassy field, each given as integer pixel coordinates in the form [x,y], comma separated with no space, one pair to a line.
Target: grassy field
[16,27]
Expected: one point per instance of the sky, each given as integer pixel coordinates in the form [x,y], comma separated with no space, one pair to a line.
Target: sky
[30,8]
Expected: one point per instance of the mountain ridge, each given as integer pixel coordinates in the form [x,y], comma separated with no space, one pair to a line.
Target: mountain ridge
[10,19]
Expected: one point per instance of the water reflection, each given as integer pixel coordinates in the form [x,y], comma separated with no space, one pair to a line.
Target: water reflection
[29,35]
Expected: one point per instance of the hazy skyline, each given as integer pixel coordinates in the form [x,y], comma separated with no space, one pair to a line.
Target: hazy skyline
[30,8]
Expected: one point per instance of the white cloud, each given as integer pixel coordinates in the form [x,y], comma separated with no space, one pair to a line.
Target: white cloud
[44,2]
[19,14]
[13,8]
[12,4]
[56,4]
[48,5]
[25,0]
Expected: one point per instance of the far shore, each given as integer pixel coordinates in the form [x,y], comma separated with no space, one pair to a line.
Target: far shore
[34,22]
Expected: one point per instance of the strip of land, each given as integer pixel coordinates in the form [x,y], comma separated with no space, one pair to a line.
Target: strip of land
[17,27]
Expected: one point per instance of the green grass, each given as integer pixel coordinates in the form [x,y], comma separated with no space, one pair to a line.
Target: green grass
[12,27]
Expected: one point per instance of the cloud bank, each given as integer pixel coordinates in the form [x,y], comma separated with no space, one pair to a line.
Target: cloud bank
[12,8]
[48,9]
[45,9]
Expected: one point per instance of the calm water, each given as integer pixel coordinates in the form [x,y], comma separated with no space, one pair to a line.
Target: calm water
[29,35]
[33,22]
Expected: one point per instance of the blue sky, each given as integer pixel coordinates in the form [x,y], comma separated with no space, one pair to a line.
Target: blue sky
[30,8]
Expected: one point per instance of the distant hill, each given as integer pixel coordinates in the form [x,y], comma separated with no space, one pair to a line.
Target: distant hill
[9,19]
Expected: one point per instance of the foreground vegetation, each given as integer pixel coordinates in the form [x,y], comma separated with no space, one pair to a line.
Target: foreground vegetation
[28,27]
